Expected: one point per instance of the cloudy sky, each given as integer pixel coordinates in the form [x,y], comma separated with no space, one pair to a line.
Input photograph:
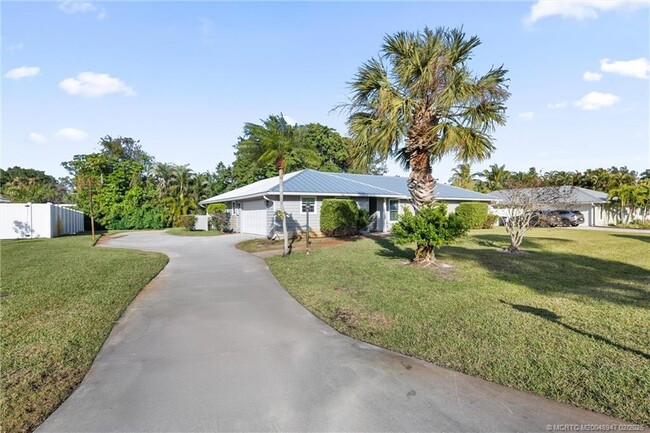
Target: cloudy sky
[184,77]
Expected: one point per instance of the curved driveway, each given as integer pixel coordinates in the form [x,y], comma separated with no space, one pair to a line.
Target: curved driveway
[215,344]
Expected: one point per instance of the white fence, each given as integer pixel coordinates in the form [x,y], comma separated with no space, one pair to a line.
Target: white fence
[42,220]
[202,222]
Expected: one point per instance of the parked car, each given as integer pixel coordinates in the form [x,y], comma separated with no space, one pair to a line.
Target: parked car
[544,218]
[568,218]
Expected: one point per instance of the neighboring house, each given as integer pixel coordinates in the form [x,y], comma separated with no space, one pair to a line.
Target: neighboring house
[39,220]
[253,208]
[592,204]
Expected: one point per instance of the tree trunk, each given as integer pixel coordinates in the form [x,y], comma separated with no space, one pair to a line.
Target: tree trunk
[285,234]
[424,255]
[420,181]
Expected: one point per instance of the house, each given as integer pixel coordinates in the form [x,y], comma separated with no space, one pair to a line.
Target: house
[253,208]
[592,204]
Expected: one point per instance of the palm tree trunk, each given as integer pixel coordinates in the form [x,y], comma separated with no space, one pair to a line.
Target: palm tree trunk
[421,182]
[285,234]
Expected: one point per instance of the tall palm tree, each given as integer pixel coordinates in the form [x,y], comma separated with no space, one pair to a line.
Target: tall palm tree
[272,141]
[161,174]
[496,177]
[179,190]
[419,101]
[462,176]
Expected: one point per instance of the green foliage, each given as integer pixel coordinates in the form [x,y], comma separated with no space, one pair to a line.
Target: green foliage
[431,227]
[363,219]
[185,221]
[339,217]
[473,214]
[490,221]
[22,185]
[216,207]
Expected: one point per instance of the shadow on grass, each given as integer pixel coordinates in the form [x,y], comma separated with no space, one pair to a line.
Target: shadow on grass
[552,317]
[630,236]
[563,274]
[502,241]
[391,250]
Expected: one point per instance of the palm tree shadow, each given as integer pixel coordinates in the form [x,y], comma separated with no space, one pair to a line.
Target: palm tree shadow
[554,318]
[636,237]
[390,249]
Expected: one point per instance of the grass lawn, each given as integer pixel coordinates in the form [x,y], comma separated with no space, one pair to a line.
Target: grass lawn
[60,299]
[179,231]
[260,244]
[570,320]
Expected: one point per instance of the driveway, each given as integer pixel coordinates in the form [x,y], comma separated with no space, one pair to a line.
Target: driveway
[214,343]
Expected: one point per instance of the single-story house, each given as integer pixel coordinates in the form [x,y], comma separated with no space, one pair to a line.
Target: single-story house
[253,208]
[592,204]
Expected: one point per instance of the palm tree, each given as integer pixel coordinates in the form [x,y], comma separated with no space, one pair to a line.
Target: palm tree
[462,176]
[272,141]
[419,101]
[496,177]
[179,190]
[162,174]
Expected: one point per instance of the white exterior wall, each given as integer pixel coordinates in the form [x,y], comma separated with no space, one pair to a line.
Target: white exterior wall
[42,220]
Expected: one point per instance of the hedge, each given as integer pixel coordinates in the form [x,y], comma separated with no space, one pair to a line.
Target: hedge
[339,217]
[473,214]
[216,207]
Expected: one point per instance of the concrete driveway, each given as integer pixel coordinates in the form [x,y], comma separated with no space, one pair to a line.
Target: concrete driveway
[215,344]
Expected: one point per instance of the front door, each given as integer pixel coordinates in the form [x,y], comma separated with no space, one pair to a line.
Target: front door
[374,215]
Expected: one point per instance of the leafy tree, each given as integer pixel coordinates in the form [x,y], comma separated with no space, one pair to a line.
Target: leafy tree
[271,142]
[431,227]
[29,185]
[419,101]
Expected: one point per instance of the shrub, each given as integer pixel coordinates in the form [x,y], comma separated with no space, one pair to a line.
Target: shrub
[363,219]
[219,220]
[490,221]
[472,214]
[339,217]
[185,221]
[430,228]
[213,208]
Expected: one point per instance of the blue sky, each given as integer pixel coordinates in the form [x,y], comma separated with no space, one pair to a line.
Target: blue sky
[184,77]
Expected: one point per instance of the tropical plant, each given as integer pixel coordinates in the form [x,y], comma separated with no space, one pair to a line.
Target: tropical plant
[496,177]
[419,101]
[463,177]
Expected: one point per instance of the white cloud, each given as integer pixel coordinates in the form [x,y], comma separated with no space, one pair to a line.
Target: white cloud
[596,101]
[557,105]
[23,72]
[36,138]
[578,9]
[71,134]
[592,76]
[95,85]
[528,115]
[79,6]
[637,68]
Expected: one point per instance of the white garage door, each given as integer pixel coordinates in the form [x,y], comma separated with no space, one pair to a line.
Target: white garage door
[253,217]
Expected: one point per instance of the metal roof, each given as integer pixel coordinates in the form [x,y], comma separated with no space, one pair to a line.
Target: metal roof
[342,184]
[573,194]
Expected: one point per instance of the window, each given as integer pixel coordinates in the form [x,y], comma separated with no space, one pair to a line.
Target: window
[307,203]
[393,209]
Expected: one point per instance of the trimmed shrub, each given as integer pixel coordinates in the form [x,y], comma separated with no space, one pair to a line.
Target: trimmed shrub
[216,207]
[473,214]
[490,221]
[185,221]
[339,217]
[363,219]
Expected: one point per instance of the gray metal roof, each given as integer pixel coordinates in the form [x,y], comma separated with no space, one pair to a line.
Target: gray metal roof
[342,184]
[573,194]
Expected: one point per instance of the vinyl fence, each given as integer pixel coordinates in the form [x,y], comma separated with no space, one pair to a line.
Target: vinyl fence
[42,220]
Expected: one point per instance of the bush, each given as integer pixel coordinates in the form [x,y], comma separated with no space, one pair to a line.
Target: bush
[363,219]
[185,221]
[430,228]
[472,214]
[490,221]
[219,220]
[339,217]
[213,208]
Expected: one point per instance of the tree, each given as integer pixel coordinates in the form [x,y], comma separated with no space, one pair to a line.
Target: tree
[28,185]
[419,102]
[495,177]
[463,177]
[272,141]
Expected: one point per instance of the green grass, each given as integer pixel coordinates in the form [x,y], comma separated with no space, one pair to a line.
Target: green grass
[60,300]
[179,231]
[570,320]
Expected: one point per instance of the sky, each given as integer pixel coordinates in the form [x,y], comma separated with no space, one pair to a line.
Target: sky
[184,77]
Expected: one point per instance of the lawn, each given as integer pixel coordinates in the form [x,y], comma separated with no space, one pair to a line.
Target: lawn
[179,231]
[569,320]
[60,299]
